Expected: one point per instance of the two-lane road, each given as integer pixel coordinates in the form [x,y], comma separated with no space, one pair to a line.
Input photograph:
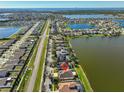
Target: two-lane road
[37,60]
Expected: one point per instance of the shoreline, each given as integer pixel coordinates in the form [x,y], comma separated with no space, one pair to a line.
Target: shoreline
[84,80]
[81,73]
[11,36]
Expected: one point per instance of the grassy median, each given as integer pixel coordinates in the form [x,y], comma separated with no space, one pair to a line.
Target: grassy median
[39,73]
[41,65]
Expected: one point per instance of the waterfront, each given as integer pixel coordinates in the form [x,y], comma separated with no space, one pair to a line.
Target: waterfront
[7,31]
[80,26]
[89,16]
[102,60]
[4,19]
[120,22]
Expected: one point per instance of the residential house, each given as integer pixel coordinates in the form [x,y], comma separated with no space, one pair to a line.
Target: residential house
[70,87]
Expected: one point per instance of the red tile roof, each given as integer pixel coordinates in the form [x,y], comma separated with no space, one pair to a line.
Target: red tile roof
[68,87]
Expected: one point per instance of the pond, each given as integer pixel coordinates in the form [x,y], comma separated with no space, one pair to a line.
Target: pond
[80,26]
[6,14]
[4,19]
[89,16]
[3,16]
[120,21]
[7,31]
[103,61]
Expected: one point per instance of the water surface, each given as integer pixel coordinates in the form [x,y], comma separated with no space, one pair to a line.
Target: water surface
[80,26]
[4,19]
[89,16]
[7,31]
[120,21]
[103,61]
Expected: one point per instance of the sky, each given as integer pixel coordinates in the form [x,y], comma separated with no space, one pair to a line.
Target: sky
[61,4]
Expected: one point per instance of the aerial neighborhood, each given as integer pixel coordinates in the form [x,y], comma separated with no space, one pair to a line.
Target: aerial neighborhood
[54,50]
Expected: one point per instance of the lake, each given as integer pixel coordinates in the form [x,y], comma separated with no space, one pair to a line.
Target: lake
[80,26]
[7,31]
[4,19]
[5,14]
[103,61]
[120,21]
[89,16]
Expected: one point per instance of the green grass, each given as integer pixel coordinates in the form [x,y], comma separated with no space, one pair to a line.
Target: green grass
[84,36]
[13,74]
[39,73]
[47,33]
[23,85]
[42,62]
[3,41]
[30,65]
[44,27]
[41,29]
[81,74]
[84,80]
[5,89]
[16,34]
[28,73]
[53,87]
[68,28]
[40,68]
[18,68]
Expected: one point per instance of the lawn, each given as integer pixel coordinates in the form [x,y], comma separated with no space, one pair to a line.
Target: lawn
[13,74]
[28,73]
[41,66]
[40,70]
[5,89]
[30,65]
[3,41]
[18,68]
[84,80]
[24,82]
[16,34]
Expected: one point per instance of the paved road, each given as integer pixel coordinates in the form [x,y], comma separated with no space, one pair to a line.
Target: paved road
[37,61]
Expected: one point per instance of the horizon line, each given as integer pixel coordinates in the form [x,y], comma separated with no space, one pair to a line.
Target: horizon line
[55,7]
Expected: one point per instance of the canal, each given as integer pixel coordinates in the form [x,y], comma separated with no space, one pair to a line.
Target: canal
[103,61]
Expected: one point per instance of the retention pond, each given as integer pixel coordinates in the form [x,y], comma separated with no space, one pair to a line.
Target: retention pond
[7,31]
[80,26]
[103,61]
